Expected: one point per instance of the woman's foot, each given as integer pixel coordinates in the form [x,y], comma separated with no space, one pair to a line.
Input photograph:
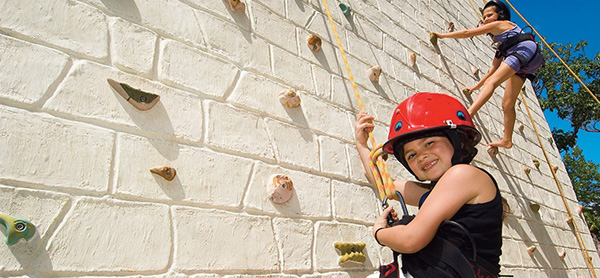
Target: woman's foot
[507,144]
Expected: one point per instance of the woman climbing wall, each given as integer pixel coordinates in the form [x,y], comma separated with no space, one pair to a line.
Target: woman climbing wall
[518,57]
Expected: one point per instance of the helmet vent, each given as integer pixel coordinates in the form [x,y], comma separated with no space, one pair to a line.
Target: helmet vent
[398,126]
[461,115]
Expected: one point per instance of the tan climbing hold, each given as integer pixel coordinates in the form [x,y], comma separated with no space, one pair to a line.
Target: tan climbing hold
[580,210]
[351,251]
[466,91]
[433,38]
[475,71]
[236,5]
[531,249]
[168,173]
[536,163]
[527,170]
[374,73]
[492,150]
[563,254]
[314,43]
[519,101]
[413,59]
[555,168]
[534,207]
[521,127]
[280,188]
[137,98]
[289,98]
[449,26]
[569,221]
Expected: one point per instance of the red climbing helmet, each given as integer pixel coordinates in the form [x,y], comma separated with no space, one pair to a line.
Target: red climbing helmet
[429,114]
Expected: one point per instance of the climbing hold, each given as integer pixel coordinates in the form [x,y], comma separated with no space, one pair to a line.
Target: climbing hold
[534,207]
[531,249]
[138,98]
[166,172]
[314,43]
[345,9]
[527,170]
[536,163]
[521,127]
[236,5]
[280,188]
[351,251]
[555,168]
[289,98]
[569,221]
[580,210]
[563,254]
[433,38]
[519,101]
[466,91]
[413,59]
[492,151]
[475,71]
[16,228]
[449,26]
[374,73]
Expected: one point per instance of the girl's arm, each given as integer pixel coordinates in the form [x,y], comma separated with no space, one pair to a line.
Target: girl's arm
[460,185]
[495,28]
[411,191]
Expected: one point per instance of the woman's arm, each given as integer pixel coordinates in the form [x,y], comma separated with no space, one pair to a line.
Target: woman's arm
[494,28]
[460,185]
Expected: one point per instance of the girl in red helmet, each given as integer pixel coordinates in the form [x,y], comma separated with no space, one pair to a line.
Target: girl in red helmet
[518,57]
[433,136]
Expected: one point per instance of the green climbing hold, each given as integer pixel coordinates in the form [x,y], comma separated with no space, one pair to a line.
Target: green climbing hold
[345,9]
[136,97]
[16,228]
[433,38]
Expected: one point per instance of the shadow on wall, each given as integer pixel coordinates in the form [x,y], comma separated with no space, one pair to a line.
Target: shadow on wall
[31,255]
[124,8]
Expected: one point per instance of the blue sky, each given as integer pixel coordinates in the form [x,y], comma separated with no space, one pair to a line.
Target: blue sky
[562,22]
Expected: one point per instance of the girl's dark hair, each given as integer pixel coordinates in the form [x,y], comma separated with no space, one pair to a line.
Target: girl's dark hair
[500,8]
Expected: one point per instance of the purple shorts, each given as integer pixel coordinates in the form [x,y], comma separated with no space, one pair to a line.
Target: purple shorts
[528,49]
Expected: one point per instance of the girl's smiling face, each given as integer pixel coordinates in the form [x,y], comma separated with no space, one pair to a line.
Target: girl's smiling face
[430,157]
[490,14]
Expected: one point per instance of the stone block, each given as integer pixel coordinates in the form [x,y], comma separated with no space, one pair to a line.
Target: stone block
[333,156]
[274,28]
[237,44]
[85,94]
[41,208]
[294,238]
[111,236]
[189,68]
[33,69]
[294,145]
[237,130]
[65,24]
[207,238]
[292,69]
[45,150]
[203,176]
[311,196]
[132,47]
[353,202]
[327,118]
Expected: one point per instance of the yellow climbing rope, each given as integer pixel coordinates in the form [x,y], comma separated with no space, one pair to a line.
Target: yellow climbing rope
[383,180]
[547,45]
[584,250]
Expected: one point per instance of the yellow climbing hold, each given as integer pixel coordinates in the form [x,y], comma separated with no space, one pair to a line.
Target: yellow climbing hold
[351,251]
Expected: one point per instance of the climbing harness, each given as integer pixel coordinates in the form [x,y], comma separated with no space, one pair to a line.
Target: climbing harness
[502,50]
[383,181]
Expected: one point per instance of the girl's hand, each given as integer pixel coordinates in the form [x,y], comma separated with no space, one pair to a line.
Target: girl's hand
[362,127]
[469,90]
[381,221]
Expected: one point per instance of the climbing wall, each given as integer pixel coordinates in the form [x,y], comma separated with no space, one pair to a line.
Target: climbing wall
[76,152]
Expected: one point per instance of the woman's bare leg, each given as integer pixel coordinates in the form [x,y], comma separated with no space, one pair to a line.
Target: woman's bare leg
[513,86]
[503,73]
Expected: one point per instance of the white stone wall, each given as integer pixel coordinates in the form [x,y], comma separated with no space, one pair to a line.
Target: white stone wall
[74,155]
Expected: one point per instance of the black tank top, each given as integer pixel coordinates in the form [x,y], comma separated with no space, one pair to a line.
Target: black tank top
[484,223]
